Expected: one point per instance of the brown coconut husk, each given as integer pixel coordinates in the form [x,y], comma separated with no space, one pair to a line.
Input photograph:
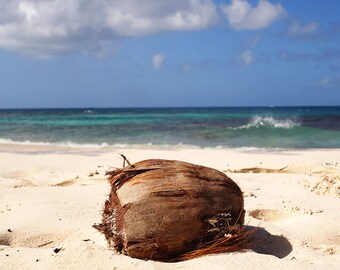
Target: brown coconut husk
[170,210]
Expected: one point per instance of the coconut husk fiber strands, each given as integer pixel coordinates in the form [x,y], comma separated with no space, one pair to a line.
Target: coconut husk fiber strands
[169,210]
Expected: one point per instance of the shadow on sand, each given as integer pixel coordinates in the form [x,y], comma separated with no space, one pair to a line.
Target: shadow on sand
[266,243]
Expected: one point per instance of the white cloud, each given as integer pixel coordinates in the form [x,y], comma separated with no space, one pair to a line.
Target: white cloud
[247,58]
[332,82]
[44,28]
[27,10]
[241,15]
[158,60]
[296,29]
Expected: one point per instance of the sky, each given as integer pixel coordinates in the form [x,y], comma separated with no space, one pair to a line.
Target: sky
[161,53]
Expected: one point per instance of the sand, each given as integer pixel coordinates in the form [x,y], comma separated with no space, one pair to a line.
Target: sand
[51,196]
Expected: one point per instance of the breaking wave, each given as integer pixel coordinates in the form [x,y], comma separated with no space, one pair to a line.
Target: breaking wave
[259,121]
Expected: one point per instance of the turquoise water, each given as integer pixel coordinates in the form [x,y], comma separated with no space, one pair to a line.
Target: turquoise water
[282,127]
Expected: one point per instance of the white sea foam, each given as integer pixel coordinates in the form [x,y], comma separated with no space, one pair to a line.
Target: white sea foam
[9,141]
[62,144]
[93,145]
[259,121]
[78,145]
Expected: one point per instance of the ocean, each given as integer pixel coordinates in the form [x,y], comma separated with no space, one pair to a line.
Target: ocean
[229,127]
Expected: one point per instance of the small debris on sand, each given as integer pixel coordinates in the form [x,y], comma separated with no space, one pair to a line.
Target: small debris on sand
[57,249]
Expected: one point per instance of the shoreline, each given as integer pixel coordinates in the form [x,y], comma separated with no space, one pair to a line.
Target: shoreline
[51,196]
[8,144]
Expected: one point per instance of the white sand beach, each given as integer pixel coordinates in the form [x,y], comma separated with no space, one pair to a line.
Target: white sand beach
[51,196]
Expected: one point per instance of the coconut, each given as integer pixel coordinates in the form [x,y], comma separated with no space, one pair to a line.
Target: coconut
[170,210]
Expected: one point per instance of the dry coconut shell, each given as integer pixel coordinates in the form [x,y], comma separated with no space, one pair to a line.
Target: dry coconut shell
[170,210]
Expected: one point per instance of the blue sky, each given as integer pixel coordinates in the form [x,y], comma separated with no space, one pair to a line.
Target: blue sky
[146,53]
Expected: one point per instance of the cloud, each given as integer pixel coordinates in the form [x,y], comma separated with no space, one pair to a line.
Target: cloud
[296,29]
[330,82]
[44,28]
[158,60]
[241,15]
[254,41]
[311,31]
[247,57]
